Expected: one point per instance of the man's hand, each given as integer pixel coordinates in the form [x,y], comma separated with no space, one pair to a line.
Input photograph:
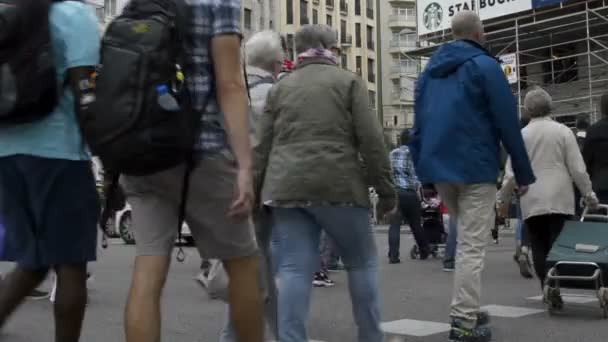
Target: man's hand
[522,189]
[243,196]
[391,213]
[502,209]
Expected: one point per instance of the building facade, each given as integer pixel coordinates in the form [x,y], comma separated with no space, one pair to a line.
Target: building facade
[355,21]
[398,71]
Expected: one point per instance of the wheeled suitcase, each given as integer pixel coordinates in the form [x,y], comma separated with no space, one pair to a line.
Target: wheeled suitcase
[579,258]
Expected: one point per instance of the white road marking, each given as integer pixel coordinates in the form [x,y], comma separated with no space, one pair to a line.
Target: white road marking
[510,311]
[571,299]
[412,327]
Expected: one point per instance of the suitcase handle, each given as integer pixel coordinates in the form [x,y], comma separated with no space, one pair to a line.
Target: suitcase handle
[585,215]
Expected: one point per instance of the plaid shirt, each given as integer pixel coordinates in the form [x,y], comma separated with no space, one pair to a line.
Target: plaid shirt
[404,173]
[210,18]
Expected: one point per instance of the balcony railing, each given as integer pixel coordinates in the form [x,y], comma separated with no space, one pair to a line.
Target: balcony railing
[329,4]
[343,7]
[346,40]
[396,19]
[398,43]
[402,96]
[404,69]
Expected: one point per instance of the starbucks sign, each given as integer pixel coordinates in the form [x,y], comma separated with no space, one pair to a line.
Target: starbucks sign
[436,15]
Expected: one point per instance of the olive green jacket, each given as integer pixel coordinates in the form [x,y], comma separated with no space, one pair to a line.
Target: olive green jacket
[316,126]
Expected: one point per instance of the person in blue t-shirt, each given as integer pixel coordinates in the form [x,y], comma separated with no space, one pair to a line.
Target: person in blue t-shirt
[48,200]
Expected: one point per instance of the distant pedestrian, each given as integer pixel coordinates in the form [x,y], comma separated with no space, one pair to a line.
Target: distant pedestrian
[408,189]
[464,110]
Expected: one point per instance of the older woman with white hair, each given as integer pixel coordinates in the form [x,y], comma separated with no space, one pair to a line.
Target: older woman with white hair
[557,163]
[316,126]
[264,58]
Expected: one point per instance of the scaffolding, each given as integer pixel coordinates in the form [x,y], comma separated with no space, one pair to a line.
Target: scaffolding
[562,49]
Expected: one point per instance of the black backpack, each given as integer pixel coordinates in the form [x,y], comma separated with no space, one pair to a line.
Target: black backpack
[28,84]
[141,58]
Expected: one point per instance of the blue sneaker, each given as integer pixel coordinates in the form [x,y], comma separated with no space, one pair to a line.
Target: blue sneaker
[459,333]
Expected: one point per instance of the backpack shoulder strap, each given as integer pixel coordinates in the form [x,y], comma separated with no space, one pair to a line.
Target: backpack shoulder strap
[260,81]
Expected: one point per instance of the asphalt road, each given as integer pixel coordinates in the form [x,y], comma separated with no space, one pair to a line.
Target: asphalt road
[415,299]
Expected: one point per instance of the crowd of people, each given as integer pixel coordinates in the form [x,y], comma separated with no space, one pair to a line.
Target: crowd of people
[279,185]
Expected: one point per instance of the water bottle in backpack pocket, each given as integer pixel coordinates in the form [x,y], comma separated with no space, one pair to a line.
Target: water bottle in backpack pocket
[166,101]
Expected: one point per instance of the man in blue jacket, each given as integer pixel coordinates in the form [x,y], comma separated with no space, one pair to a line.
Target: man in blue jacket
[464,110]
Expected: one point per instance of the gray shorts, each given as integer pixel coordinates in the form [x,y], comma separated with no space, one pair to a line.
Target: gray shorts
[155,201]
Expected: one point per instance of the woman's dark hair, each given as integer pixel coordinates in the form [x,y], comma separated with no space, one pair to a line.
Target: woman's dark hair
[582,124]
[604,105]
[405,137]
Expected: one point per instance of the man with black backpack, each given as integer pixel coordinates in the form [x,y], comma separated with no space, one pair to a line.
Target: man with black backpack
[48,200]
[171,116]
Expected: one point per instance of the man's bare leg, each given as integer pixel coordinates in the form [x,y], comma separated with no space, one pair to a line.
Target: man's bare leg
[70,302]
[17,285]
[246,305]
[143,316]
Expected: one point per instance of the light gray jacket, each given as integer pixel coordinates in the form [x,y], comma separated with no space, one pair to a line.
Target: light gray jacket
[557,163]
[259,82]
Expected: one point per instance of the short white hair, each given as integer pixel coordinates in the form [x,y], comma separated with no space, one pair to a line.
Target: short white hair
[466,24]
[538,103]
[264,50]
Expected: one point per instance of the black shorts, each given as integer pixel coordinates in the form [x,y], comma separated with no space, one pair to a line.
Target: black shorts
[48,211]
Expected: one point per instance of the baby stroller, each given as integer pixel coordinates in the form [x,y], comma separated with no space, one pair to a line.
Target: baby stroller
[432,224]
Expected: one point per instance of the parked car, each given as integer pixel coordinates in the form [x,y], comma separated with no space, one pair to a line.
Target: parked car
[121,222]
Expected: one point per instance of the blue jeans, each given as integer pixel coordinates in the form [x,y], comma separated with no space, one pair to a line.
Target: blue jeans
[451,244]
[264,236]
[298,231]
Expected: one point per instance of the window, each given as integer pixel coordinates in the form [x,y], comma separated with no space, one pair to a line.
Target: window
[372,99]
[370,9]
[371,75]
[395,120]
[370,38]
[330,22]
[357,7]
[344,61]
[247,19]
[409,13]
[359,66]
[289,10]
[343,31]
[290,46]
[358,35]
[315,16]
[303,12]
[110,8]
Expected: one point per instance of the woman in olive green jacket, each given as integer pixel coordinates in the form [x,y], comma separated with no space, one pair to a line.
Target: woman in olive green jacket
[316,124]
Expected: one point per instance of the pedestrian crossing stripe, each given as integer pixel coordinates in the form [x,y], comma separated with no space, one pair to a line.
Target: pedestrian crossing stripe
[510,311]
[412,327]
[570,299]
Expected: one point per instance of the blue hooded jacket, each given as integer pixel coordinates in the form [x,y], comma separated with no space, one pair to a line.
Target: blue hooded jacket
[464,110]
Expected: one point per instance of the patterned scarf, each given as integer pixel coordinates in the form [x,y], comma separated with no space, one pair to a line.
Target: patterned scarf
[318,54]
